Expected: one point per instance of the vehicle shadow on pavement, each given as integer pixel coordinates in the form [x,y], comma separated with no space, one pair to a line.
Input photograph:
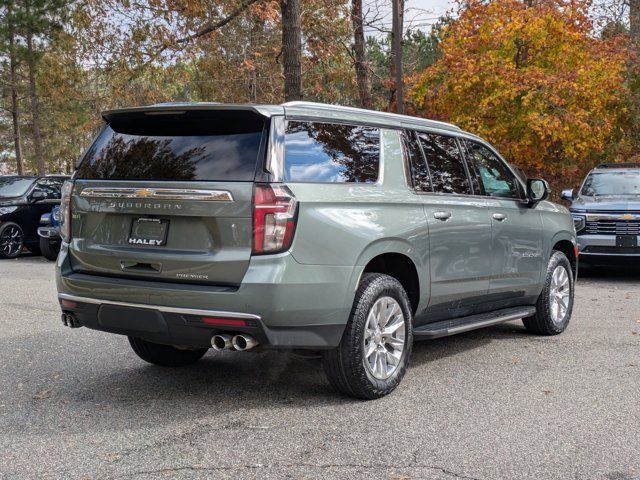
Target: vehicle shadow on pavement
[425,351]
[252,379]
[229,380]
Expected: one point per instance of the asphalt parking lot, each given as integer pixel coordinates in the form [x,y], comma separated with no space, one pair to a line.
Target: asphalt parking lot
[491,404]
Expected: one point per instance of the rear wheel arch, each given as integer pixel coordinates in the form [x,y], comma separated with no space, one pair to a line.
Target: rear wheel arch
[402,268]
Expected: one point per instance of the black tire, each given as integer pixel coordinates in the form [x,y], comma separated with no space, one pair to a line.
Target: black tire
[345,365]
[49,249]
[542,323]
[165,355]
[11,240]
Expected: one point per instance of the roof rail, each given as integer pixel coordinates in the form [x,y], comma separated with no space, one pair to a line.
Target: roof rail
[619,165]
[377,113]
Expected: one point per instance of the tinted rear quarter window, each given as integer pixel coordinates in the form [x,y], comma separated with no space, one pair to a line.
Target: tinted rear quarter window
[448,172]
[205,146]
[331,153]
[417,166]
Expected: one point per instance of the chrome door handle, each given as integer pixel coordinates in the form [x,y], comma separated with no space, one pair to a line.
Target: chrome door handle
[499,216]
[444,216]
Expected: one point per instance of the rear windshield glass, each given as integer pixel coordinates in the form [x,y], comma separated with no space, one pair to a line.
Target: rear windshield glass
[331,153]
[14,186]
[195,146]
[612,183]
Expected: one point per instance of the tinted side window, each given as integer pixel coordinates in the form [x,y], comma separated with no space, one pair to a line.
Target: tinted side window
[51,187]
[417,166]
[495,177]
[331,153]
[445,164]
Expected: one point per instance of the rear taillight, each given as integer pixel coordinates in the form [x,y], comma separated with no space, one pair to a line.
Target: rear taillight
[65,211]
[274,218]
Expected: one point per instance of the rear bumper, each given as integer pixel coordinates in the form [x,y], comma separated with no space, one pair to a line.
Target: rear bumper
[282,303]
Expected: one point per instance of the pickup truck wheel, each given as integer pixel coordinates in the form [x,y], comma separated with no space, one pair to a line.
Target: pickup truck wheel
[11,240]
[555,303]
[165,355]
[49,249]
[374,352]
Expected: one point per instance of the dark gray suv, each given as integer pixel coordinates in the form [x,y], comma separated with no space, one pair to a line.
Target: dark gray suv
[304,226]
[606,213]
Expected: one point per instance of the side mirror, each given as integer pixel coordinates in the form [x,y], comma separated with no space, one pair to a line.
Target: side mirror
[38,195]
[567,194]
[537,190]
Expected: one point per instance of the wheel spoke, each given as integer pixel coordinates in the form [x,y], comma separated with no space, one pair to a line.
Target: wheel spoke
[389,329]
[384,337]
[390,312]
[369,349]
[559,294]
[382,359]
[396,343]
[394,356]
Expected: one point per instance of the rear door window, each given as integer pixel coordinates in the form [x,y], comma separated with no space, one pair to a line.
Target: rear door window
[204,146]
[448,172]
[331,153]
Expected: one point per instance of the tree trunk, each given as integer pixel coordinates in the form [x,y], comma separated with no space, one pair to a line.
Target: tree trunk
[291,49]
[634,23]
[396,41]
[15,106]
[362,70]
[35,106]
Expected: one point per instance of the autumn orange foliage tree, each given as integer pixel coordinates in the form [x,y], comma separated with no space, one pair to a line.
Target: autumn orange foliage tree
[532,77]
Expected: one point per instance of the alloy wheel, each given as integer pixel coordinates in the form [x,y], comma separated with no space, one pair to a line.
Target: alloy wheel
[384,338]
[11,241]
[559,294]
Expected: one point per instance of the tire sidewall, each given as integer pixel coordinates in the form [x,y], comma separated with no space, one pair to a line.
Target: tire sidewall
[49,249]
[380,286]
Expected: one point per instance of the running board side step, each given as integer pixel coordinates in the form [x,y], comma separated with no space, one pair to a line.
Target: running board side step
[444,328]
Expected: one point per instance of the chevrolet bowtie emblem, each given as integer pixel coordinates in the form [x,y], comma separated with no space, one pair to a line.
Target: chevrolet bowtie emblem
[627,216]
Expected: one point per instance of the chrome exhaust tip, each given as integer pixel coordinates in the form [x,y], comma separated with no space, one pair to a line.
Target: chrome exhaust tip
[221,342]
[69,320]
[243,342]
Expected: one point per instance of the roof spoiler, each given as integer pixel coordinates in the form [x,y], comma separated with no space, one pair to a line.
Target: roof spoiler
[181,108]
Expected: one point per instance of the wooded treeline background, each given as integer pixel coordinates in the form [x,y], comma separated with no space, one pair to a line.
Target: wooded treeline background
[554,84]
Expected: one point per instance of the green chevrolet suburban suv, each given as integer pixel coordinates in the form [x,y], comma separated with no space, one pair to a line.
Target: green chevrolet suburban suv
[303,226]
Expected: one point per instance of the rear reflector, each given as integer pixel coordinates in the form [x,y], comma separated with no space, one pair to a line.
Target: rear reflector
[68,304]
[229,322]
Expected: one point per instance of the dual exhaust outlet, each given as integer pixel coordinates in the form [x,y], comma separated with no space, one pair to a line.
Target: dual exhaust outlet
[240,342]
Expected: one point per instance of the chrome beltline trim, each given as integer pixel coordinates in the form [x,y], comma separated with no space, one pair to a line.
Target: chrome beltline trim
[159,194]
[183,311]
